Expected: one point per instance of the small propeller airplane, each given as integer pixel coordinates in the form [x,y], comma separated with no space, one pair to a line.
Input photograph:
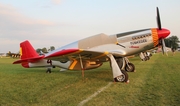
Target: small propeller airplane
[92,52]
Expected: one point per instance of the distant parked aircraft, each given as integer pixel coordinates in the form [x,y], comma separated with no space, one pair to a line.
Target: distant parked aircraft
[1,54]
[14,55]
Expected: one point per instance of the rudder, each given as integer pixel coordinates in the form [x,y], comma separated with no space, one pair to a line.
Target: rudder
[27,50]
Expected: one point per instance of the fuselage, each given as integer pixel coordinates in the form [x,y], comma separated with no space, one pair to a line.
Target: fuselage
[122,44]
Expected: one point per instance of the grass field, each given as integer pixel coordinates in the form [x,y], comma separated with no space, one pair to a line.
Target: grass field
[155,83]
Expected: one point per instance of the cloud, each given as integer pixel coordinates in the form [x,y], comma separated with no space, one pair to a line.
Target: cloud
[11,14]
[16,27]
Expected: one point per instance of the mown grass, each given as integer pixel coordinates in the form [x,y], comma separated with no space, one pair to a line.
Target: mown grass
[155,82]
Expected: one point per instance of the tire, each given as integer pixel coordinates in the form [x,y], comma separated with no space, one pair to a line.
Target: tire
[122,78]
[48,70]
[131,67]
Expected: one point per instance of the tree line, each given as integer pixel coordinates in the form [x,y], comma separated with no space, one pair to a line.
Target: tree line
[39,51]
[45,50]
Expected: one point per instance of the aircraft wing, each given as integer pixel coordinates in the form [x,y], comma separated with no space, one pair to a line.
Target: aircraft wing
[73,54]
[69,54]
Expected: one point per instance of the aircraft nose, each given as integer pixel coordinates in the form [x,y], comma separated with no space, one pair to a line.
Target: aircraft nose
[163,33]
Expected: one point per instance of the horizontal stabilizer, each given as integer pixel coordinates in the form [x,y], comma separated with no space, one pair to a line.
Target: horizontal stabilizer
[32,60]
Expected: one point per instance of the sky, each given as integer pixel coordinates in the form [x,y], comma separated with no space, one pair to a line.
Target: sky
[56,23]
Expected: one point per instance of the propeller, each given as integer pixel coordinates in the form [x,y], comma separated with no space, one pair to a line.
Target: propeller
[159,27]
[158,19]
[164,50]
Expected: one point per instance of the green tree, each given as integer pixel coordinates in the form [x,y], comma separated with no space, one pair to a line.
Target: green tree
[38,50]
[44,50]
[52,48]
[172,42]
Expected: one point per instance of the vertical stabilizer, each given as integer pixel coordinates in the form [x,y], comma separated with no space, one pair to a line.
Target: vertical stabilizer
[27,51]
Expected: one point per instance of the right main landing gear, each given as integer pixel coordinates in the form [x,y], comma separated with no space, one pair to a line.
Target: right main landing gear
[124,64]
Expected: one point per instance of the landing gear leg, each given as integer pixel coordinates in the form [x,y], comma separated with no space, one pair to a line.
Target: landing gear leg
[118,74]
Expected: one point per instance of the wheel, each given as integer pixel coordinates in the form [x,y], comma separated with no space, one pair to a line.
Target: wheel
[48,70]
[122,78]
[130,68]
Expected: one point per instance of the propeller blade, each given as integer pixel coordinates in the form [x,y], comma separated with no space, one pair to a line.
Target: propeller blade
[158,19]
[164,50]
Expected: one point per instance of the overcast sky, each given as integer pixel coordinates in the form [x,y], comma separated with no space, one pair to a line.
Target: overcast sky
[56,23]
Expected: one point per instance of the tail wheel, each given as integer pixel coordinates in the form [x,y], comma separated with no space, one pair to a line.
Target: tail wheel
[130,67]
[48,70]
[122,78]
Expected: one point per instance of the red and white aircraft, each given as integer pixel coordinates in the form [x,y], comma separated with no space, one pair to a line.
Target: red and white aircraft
[92,52]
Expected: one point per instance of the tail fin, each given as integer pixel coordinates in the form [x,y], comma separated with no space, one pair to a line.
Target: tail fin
[28,54]
[27,51]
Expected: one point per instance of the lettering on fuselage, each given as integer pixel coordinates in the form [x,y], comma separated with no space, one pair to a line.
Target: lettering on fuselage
[134,47]
[138,41]
[141,36]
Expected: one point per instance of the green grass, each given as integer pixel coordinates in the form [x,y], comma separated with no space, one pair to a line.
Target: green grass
[155,83]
